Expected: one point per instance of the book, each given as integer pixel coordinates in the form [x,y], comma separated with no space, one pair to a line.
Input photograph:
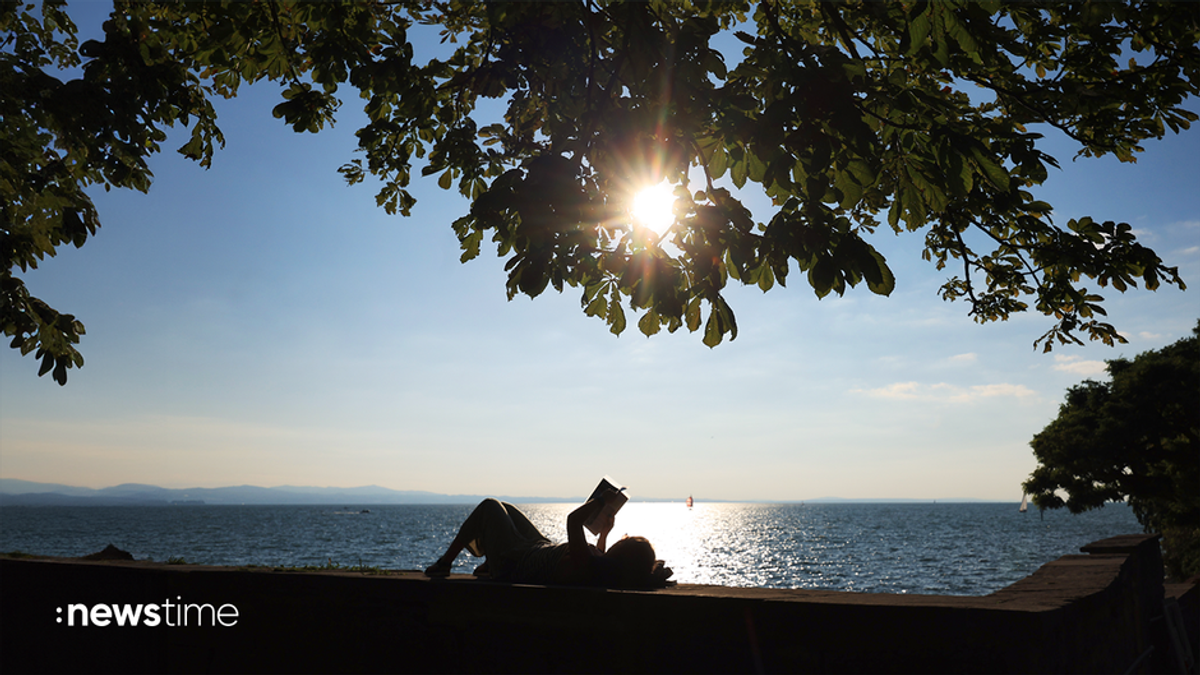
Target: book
[612,503]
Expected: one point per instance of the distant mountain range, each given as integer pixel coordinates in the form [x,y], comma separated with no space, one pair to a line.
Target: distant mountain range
[22,492]
[14,492]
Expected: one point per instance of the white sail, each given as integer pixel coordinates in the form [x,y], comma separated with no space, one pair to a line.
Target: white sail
[1024,503]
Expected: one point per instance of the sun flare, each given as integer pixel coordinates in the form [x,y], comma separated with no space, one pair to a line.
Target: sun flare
[653,207]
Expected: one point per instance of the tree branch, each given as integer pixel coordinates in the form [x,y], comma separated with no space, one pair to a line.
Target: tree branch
[1043,116]
[785,39]
[967,270]
[273,5]
[843,30]
[1012,247]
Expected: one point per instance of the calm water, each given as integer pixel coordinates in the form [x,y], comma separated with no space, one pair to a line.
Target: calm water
[946,549]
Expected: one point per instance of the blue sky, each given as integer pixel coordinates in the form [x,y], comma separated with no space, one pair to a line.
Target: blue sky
[262,323]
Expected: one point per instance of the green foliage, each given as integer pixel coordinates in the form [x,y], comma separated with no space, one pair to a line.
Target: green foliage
[1135,438]
[922,115]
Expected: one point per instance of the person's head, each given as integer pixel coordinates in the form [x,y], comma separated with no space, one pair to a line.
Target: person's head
[635,559]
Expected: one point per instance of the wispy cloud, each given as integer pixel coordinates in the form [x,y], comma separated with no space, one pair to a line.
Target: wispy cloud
[1073,364]
[948,393]
[1145,235]
[969,357]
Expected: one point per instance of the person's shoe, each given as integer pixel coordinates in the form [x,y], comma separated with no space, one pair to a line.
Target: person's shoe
[438,570]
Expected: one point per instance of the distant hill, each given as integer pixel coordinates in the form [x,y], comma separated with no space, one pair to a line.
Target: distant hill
[22,492]
[894,500]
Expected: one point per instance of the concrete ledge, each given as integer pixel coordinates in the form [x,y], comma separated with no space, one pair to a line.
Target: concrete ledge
[1086,613]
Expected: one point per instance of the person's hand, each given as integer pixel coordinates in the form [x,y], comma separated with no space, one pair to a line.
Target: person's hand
[661,573]
[607,522]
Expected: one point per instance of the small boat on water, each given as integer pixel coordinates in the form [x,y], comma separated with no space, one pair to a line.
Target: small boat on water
[1024,504]
[689,501]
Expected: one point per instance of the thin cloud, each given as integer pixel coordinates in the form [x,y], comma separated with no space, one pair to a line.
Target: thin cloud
[948,393]
[969,357]
[1147,236]
[1073,364]
[1188,228]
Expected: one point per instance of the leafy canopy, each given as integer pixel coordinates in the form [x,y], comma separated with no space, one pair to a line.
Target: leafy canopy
[857,120]
[1135,438]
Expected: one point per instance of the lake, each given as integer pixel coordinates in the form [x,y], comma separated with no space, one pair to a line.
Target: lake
[927,548]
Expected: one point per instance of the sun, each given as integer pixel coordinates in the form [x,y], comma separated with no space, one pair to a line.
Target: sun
[653,207]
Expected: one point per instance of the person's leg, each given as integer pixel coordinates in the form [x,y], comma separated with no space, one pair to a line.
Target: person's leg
[524,530]
[490,528]
[521,523]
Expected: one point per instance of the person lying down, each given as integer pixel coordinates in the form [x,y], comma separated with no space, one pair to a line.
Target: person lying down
[517,552]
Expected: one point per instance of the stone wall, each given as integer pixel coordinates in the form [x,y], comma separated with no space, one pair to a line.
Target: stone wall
[1098,612]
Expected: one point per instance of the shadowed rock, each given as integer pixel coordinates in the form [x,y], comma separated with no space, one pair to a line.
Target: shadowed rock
[110,552]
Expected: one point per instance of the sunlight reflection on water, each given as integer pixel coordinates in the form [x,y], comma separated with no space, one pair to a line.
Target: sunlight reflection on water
[951,549]
[954,549]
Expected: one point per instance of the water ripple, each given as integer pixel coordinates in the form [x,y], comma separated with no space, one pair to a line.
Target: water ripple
[955,549]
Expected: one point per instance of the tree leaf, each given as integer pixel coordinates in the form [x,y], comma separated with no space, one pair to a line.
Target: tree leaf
[649,323]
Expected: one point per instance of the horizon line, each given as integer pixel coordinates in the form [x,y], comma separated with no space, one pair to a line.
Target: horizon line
[551,499]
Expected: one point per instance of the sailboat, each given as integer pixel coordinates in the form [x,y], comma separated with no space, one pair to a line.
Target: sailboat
[689,501]
[1024,503]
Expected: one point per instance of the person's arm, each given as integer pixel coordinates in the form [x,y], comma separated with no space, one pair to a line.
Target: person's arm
[576,541]
[610,520]
[606,526]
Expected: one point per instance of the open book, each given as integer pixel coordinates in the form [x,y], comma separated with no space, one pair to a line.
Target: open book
[611,505]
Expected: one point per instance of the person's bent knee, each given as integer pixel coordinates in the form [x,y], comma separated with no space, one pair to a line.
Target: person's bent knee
[490,505]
